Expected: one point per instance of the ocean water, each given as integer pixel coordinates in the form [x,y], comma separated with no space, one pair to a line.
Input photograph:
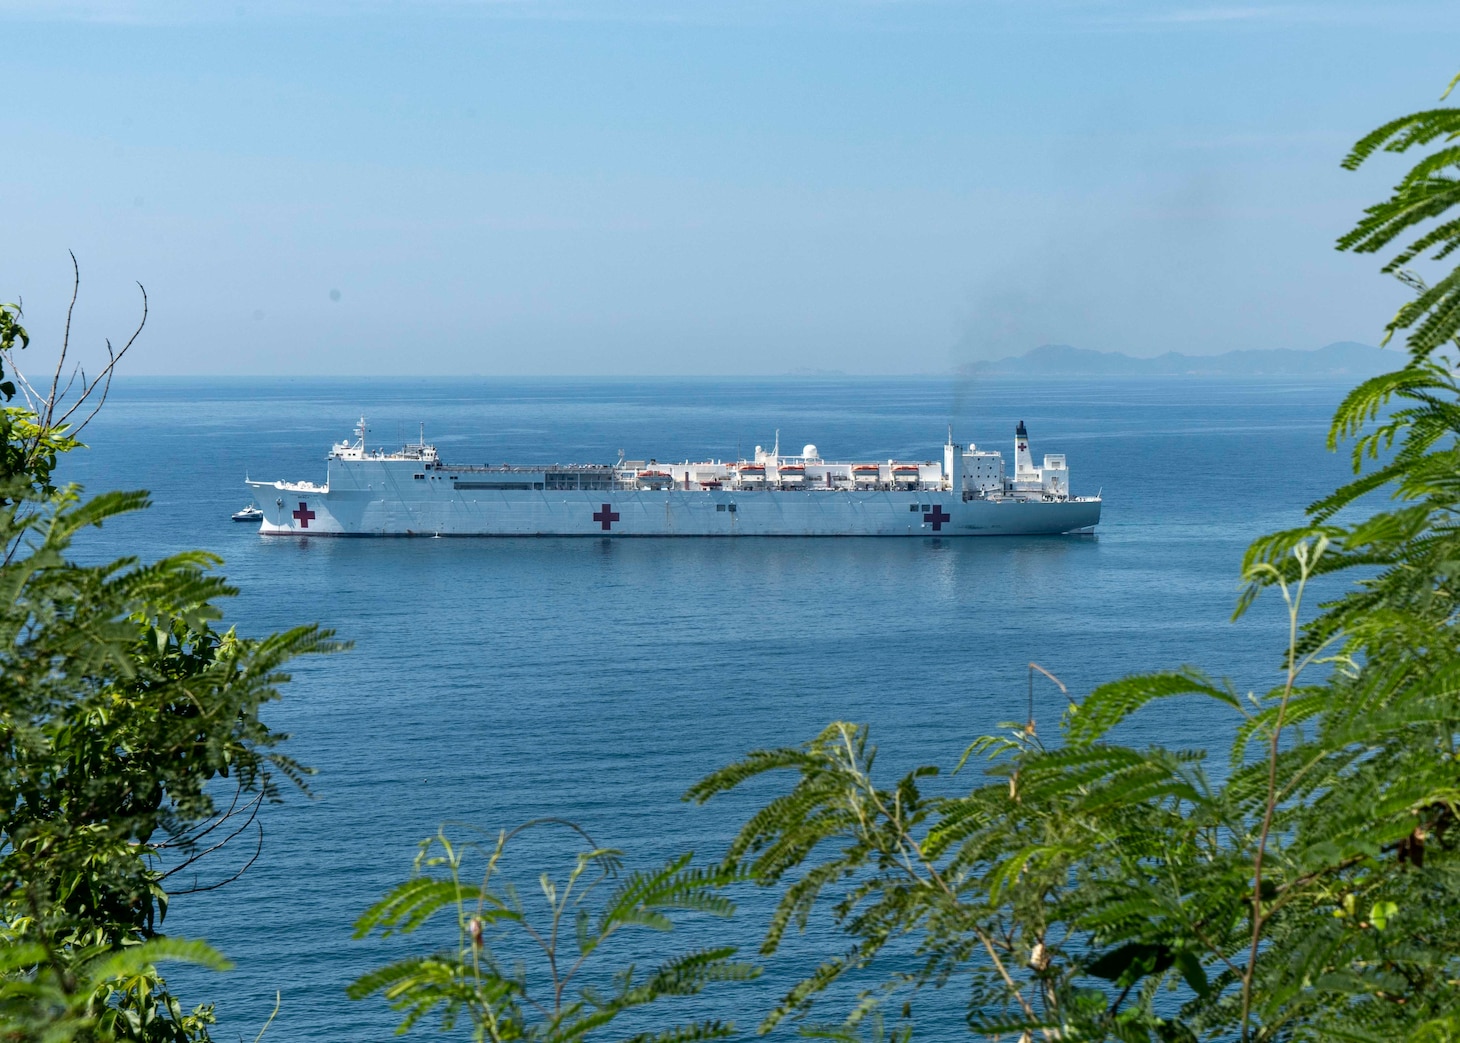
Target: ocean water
[494,681]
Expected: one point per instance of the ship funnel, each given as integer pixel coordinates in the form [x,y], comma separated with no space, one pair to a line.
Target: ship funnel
[1023,461]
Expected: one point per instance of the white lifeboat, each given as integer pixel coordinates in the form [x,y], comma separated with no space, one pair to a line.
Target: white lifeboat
[751,474]
[655,479]
[905,474]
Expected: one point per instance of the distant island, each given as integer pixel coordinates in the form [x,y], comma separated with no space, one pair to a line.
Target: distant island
[1346,360]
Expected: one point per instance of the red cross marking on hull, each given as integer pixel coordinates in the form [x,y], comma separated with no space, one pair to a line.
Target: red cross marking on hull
[304,515]
[937,516]
[607,516]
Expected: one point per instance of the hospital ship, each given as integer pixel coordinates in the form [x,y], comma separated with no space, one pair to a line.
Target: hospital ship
[412,492]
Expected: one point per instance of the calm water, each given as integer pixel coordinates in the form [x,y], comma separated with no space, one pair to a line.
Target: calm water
[496,680]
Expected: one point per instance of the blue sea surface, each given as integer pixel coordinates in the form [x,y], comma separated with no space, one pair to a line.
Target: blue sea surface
[496,680]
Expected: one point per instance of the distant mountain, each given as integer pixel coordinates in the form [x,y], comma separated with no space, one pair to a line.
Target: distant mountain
[1346,359]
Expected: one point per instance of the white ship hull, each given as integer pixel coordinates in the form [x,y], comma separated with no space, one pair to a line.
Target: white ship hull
[413,493]
[669,513]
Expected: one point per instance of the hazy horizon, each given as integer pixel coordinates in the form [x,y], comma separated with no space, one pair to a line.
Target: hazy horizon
[698,188]
[810,373]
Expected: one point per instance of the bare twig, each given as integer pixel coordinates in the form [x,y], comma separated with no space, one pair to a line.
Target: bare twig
[188,839]
[48,406]
[65,336]
[1029,727]
[278,1001]
[252,815]
[105,379]
[258,850]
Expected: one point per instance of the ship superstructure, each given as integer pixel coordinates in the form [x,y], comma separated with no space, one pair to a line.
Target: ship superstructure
[411,492]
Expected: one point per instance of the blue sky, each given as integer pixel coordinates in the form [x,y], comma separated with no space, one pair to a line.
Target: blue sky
[698,187]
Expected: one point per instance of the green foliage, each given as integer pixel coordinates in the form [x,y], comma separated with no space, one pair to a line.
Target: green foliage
[477,979]
[1091,890]
[124,714]
[31,449]
[41,1000]
[12,338]
[28,449]
[1427,193]
[1079,883]
[121,708]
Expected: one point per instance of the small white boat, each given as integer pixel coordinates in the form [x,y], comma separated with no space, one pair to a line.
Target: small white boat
[250,513]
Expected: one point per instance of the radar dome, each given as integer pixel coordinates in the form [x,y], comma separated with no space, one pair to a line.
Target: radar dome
[809,452]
